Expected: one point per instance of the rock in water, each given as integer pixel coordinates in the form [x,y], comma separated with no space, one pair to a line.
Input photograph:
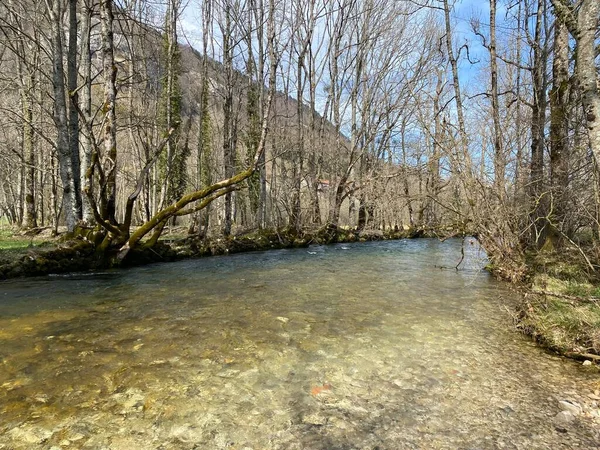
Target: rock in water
[314,419]
[573,408]
[30,434]
[563,419]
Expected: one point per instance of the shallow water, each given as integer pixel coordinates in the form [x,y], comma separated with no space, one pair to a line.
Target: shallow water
[352,346]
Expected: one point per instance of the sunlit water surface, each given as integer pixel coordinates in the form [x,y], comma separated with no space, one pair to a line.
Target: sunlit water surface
[352,346]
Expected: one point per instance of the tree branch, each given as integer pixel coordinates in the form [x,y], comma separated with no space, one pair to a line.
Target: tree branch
[564,12]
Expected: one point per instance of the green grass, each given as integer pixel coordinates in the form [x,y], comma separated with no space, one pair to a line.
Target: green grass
[8,241]
[578,289]
[564,326]
[566,265]
[13,244]
[569,324]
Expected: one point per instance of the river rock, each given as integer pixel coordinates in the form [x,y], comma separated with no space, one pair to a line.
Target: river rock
[130,401]
[314,419]
[572,407]
[186,433]
[30,434]
[371,235]
[563,419]
[228,373]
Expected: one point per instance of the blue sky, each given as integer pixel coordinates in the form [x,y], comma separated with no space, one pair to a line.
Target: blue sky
[462,13]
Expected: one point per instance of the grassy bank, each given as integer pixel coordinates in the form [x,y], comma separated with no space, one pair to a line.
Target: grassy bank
[14,241]
[561,305]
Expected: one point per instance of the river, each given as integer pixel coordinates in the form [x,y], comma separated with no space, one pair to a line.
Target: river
[352,346]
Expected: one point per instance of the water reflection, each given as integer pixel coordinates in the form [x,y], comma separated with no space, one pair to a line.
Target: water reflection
[338,347]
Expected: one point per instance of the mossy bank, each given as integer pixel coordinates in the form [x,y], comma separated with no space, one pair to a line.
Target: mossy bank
[61,256]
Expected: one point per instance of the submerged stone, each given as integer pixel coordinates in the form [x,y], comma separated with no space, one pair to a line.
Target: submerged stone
[572,407]
[314,419]
[563,419]
[30,434]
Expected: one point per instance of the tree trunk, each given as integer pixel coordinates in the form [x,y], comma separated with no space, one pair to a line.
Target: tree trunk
[587,71]
[73,97]
[60,116]
[519,163]
[298,160]
[110,120]
[559,146]
[228,148]
[538,121]
[499,160]
[463,162]
[28,82]
[86,107]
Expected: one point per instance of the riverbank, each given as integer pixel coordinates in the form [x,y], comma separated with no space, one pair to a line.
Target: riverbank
[22,256]
[561,305]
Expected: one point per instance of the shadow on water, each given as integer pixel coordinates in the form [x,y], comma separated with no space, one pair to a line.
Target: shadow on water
[338,347]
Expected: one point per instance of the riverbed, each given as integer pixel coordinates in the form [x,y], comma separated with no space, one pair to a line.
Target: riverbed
[380,345]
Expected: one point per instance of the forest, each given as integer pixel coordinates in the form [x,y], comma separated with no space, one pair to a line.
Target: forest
[121,119]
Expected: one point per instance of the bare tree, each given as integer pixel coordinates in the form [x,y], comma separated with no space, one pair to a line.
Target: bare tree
[583,26]
[64,151]
[559,123]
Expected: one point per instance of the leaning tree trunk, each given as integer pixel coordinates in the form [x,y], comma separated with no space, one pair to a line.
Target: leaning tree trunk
[462,160]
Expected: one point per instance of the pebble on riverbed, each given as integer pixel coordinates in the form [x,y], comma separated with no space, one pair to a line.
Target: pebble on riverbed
[314,419]
[563,419]
[30,434]
[572,407]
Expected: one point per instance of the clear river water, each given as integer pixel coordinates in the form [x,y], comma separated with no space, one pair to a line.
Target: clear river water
[350,346]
